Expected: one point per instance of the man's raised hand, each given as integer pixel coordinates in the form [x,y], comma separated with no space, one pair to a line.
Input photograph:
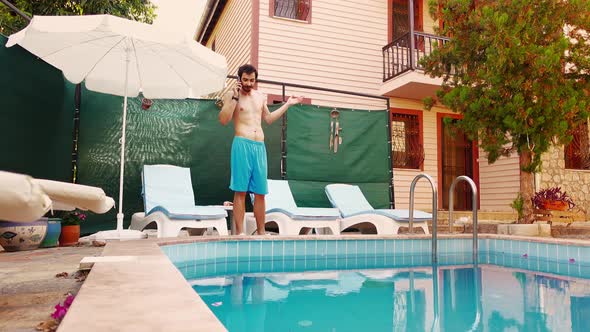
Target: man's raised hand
[295,100]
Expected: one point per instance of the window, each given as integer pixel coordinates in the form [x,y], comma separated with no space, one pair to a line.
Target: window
[293,9]
[406,141]
[577,153]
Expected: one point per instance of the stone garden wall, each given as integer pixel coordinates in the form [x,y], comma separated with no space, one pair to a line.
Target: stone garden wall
[575,182]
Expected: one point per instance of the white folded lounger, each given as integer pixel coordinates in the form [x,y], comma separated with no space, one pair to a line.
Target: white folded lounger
[69,196]
[25,199]
[21,199]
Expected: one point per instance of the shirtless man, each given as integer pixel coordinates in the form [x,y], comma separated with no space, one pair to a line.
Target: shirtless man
[247,107]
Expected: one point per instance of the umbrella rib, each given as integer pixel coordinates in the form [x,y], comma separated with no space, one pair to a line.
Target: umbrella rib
[136,61]
[192,60]
[173,69]
[102,57]
[172,48]
[69,46]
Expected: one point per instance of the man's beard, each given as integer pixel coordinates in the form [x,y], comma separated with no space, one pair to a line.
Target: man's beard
[246,88]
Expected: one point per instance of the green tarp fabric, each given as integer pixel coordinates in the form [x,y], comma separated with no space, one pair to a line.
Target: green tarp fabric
[185,133]
[362,159]
[36,116]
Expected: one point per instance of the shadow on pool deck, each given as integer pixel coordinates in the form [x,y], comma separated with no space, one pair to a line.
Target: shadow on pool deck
[29,288]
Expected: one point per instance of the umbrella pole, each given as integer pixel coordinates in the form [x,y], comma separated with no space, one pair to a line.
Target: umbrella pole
[120,233]
[120,215]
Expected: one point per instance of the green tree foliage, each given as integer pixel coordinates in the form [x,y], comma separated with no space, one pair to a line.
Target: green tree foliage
[517,70]
[138,10]
[510,84]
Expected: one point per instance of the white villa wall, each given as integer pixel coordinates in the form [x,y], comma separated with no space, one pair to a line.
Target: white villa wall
[339,49]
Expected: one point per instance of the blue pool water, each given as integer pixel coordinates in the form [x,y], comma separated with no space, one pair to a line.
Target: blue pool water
[398,300]
[390,285]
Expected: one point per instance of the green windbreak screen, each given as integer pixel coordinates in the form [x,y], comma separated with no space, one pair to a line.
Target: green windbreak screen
[36,116]
[185,133]
[362,158]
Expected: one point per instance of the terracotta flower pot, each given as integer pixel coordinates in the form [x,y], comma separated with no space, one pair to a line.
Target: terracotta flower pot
[555,205]
[69,236]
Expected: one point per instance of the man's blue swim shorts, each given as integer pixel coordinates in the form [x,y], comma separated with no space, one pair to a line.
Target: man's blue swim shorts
[248,166]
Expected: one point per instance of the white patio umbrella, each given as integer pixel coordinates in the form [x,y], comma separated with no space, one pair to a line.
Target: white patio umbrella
[122,57]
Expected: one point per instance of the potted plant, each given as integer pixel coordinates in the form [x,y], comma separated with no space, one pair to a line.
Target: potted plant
[552,199]
[518,205]
[70,227]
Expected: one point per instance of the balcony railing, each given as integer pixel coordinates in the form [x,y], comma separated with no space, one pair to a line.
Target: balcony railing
[398,53]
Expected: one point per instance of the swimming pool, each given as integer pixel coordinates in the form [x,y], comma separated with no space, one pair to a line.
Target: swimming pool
[389,284]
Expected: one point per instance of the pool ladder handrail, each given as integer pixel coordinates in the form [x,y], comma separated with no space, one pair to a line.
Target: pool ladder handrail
[478,307]
[434,209]
[474,208]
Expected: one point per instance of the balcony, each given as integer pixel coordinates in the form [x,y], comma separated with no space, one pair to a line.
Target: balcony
[403,76]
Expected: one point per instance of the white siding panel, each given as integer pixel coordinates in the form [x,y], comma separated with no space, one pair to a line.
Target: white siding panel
[340,49]
[499,182]
[233,35]
[429,22]
[277,59]
[327,99]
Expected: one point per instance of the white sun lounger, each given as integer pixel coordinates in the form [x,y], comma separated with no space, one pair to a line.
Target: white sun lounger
[169,202]
[355,209]
[282,209]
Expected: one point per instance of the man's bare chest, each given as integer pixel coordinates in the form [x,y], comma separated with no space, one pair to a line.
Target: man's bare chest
[249,105]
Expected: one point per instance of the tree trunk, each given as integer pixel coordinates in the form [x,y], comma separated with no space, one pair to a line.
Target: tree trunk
[526,187]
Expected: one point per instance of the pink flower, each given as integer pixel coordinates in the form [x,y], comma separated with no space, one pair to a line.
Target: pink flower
[60,312]
[68,301]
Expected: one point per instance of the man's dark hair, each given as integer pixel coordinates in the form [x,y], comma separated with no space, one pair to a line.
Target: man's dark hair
[248,69]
